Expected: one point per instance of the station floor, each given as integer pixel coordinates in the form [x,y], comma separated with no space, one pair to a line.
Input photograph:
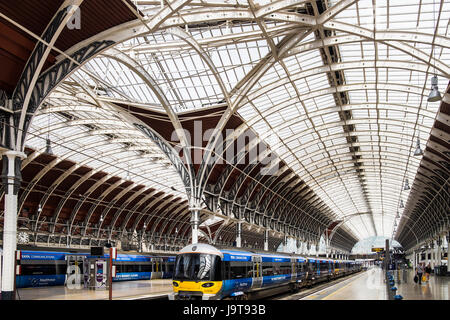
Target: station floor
[126,290]
[370,285]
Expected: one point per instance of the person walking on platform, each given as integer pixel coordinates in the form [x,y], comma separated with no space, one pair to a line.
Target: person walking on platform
[428,272]
[419,272]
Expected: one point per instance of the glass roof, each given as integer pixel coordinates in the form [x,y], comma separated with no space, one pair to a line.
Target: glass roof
[98,137]
[343,106]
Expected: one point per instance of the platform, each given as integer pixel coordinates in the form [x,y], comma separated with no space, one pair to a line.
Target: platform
[436,289]
[127,290]
[370,286]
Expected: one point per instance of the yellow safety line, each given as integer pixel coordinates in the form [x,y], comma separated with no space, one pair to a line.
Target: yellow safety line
[325,289]
[342,287]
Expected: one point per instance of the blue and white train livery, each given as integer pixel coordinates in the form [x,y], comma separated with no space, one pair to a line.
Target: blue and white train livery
[46,268]
[206,272]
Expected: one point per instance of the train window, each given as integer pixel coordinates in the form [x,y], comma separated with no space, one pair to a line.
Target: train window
[43,269]
[276,268]
[267,269]
[238,270]
[285,268]
[146,268]
[217,274]
[226,270]
[197,266]
[323,266]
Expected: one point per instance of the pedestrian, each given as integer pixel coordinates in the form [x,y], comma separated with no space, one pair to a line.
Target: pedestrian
[428,272]
[419,272]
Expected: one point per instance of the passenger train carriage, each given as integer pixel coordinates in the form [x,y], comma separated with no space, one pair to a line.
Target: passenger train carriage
[47,268]
[205,272]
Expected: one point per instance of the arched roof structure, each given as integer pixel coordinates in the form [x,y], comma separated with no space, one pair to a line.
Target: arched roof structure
[334,93]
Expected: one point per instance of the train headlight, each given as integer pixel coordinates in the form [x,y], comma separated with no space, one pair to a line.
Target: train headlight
[175,284]
[207,285]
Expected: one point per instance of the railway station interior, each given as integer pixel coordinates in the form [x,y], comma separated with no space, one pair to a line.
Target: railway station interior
[225,150]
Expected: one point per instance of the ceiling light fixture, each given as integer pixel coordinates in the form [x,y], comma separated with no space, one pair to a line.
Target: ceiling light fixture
[434,95]
[418,151]
[406,187]
[48,146]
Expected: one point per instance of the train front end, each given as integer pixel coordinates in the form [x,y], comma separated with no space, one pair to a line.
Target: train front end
[197,273]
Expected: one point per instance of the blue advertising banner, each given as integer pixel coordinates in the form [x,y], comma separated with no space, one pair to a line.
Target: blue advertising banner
[272,280]
[236,285]
[275,259]
[132,276]
[235,257]
[40,280]
[40,255]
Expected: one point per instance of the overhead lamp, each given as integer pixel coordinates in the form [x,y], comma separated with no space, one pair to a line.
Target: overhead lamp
[401,204]
[418,151]
[406,187]
[48,147]
[434,94]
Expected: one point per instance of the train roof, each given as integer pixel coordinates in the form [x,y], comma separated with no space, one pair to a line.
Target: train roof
[238,253]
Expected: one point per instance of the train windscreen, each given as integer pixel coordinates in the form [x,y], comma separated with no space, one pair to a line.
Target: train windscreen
[197,267]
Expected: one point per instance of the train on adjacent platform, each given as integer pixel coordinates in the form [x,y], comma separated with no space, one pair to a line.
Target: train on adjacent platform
[205,272]
[48,268]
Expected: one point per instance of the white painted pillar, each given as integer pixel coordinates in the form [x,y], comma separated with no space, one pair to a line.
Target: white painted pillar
[266,240]
[1,260]
[414,260]
[439,254]
[11,179]
[239,234]
[448,252]
[195,222]
[435,260]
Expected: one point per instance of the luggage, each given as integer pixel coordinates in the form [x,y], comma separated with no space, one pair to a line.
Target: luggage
[416,278]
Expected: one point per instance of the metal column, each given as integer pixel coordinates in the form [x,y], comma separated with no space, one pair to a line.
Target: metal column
[432,252]
[387,259]
[239,234]
[439,254]
[11,179]
[448,253]
[195,222]
[266,240]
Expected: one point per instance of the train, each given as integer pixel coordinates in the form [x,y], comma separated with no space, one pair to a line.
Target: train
[205,272]
[48,268]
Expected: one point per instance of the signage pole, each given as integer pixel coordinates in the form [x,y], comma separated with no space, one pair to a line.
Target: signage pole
[15,274]
[110,273]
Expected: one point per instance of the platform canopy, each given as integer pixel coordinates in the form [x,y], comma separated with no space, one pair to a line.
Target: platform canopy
[336,90]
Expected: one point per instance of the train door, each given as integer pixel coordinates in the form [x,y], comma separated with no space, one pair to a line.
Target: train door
[74,272]
[156,268]
[164,268]
[257,272]
[293,269]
